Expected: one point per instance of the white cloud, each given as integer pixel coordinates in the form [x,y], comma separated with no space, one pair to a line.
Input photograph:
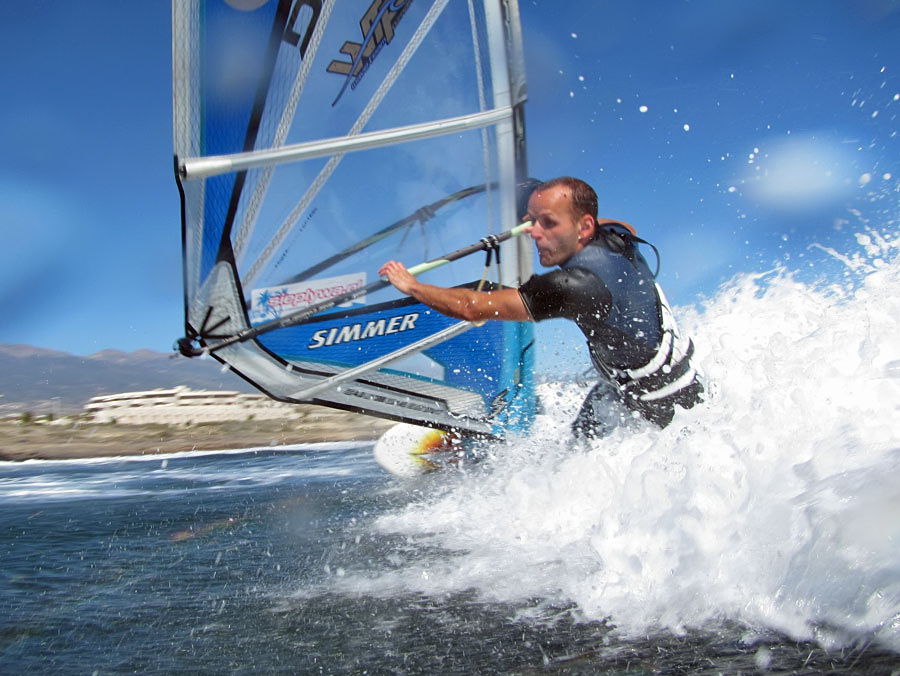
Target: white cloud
[799,173]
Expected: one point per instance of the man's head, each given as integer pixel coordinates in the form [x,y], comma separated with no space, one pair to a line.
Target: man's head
[564,213]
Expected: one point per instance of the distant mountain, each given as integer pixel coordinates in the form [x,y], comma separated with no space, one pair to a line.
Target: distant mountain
[40,380]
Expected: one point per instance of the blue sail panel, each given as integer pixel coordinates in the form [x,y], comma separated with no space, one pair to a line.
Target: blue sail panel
[352,338]
[267,239]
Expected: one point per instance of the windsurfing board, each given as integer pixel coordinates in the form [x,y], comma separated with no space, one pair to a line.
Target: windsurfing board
[411,450]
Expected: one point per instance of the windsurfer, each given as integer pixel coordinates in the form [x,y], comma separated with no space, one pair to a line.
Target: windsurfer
[605,286]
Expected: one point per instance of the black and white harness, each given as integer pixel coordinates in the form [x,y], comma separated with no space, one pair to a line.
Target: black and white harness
[668,372]
[667,377]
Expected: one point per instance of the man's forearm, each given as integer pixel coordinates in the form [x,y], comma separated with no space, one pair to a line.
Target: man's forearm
[471,305]
[457,302]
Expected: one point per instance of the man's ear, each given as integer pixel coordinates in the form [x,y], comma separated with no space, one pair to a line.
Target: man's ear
[586,228]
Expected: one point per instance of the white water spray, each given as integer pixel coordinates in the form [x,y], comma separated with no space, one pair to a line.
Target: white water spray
[775,504]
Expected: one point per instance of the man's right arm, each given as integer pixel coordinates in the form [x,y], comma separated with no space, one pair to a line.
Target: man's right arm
[460,303]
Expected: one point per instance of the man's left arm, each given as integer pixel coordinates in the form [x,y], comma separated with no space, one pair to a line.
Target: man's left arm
[459,303]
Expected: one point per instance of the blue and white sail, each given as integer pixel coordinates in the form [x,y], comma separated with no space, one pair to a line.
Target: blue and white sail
[316,139]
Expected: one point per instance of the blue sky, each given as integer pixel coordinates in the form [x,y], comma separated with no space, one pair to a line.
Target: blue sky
[732,134]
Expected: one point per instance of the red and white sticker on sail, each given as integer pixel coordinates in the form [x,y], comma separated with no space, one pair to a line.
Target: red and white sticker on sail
[277,301]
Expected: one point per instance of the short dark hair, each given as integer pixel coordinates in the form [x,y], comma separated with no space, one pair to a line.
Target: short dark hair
[584,199]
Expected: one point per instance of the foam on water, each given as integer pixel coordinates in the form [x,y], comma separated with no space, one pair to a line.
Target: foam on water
[114,478]
[775,504]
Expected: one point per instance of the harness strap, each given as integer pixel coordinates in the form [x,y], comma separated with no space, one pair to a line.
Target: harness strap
[492,246]
[618,237]
[665,381]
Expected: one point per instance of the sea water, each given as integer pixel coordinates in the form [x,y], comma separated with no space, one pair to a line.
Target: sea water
[758,533]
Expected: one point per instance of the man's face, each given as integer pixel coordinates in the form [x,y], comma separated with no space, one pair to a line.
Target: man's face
[555,231]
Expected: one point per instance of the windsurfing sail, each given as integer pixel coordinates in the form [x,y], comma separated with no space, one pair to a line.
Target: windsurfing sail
[315,140]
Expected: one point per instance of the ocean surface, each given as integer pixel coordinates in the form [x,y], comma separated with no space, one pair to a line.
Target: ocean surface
[759,533]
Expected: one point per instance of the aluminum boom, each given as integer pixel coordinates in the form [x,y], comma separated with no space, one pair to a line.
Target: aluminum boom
[203,167]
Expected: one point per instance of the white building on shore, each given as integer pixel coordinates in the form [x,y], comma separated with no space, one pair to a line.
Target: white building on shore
[181,405]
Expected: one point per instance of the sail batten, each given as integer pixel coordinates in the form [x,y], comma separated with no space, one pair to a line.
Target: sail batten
[314,141]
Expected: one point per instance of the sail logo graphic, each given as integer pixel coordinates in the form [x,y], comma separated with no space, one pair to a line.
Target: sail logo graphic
[359,331]
[377,25]
[275,302]
[291,30]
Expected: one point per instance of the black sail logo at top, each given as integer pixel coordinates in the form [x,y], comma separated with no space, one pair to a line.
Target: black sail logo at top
[291,33]
[377,25]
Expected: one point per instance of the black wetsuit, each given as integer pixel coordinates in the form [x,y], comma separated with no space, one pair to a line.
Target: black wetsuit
[607,289]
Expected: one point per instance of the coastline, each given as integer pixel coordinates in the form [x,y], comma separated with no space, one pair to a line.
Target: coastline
[64,440]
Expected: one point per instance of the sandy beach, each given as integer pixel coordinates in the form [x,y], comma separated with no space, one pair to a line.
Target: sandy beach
[66,439]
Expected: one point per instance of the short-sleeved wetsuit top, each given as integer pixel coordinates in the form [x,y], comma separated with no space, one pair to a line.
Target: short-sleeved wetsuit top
[607,289]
